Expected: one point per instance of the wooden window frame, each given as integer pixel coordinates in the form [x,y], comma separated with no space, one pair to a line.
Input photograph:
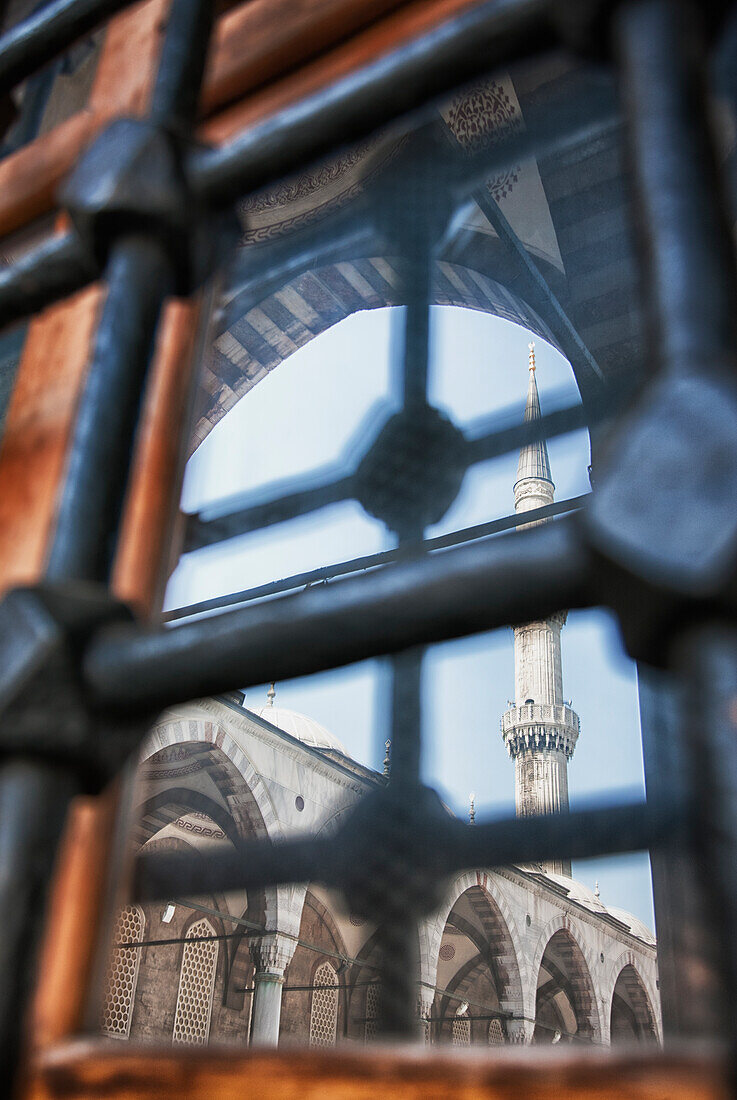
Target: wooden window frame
[266,55]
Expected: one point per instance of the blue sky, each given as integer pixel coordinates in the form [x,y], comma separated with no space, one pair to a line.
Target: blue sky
[305,415]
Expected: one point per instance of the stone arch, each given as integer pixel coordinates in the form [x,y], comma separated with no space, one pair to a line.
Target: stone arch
[561,935]
[165,807]
[263,331]
[630,996]
[363,974]
[241,786]
[207,744]
[502,934]
[320,941]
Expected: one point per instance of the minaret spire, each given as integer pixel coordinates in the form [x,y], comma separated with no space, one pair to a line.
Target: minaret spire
[533,458]
[540,730]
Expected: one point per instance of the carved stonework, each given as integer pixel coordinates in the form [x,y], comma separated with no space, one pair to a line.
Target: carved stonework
[271,955]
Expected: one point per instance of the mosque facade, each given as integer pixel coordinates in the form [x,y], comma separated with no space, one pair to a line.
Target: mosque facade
[513,955]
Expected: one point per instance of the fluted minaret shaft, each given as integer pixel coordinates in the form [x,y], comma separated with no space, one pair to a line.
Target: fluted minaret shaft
[540,731]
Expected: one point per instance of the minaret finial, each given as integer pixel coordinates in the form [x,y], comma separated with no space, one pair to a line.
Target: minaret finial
[531,356]
[472,809]
[271,694]
[387,756]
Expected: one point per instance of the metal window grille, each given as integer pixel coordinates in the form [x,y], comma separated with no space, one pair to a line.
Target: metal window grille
[372,1011]
[662,561]
[196,985]
[461,1031]
[496,1034]
[117,1008]
[324,1008]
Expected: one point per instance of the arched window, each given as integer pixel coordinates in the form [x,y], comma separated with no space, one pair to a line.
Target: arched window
[496,1035]
[196,984]
[372,1010]
[324,1014]
[461,1034]
[122,975]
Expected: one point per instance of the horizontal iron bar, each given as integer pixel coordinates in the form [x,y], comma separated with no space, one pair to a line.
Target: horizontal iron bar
[580,834]
[467,589]
[218,523]
[58,267]
[228,519]
[458,51]
[41,36]
[459,171]
[373,561]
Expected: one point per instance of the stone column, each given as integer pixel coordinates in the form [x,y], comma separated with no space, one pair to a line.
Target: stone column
[271,955]
[520,1031]
[425,1001]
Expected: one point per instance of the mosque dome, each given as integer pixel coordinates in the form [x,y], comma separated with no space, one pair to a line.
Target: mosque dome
[305,729]
[590,899]
[636,926]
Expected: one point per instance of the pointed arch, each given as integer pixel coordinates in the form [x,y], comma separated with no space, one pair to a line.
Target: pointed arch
[501,936]
[562,950]
[631,1013]
[217,752]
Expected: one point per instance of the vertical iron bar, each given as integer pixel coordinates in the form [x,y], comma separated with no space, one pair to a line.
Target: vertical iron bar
[706,657]
[176,92]
[688,969]
[34,796]
[684,234]
[686,245]
[406,717]
[33,804]
[139,277]
[396,935]
[415,352]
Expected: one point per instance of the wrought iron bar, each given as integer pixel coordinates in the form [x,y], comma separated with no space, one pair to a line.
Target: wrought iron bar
[100,452]
[219,522]
[57,25]
[372,561]
[71,270]
[33,802]
[452,846]
[459,50]
[484,441]
[35,794]
[514,578]
[58,267]
[684,233]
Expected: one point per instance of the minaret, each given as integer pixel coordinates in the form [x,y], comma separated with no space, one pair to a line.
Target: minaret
[540,730]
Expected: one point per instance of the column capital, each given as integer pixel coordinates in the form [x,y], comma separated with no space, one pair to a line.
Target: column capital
[271,954]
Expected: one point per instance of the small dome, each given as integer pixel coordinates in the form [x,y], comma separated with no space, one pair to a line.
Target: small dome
[578,892]
[305,729]
[636,926]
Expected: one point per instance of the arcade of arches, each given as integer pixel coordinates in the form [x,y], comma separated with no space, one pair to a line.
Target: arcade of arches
[517,955]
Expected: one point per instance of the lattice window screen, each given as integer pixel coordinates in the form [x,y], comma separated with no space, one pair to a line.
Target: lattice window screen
[122,975]
[372,1010]
[461,1031]
[496,1035]
[324,1014]
[196,984]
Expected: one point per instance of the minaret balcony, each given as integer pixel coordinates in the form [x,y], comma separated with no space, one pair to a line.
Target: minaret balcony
[540,726]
